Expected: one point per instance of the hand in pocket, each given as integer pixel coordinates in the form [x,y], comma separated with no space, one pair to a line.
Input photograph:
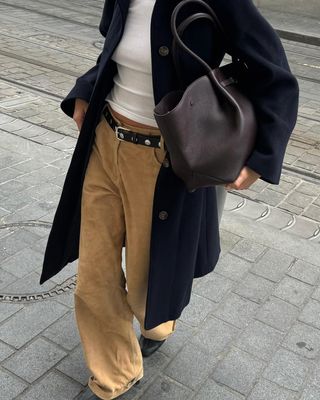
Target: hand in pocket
[80,110]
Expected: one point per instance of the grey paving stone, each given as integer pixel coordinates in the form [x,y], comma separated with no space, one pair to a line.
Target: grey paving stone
[67,272]
[191,366]
[215,336]
[311,313]
[277,218]
[213,286]
[10,386]
[8,309]
[259,185]
[266,390]
[232,267]
[152,366]
[6,174]
[310,393]
[293,291]
[312,212]
[269,237]
[62,163]
[316,294]
[64,332]
[17,240]
[291,208]
[197,310]
[13,186]
[303,339]
[9,160]
[34,211]
[305,272]
[227,240]
[164,388]
[236,310]
[48,137]
[17,201]
[255,288]
[32,131]
[29,165]
[299,199]
[66,298]
[233,201]
[5,119]
[252,209]
[309,188]
[314,378]
[74,366]
[34,360]
[212,390]
[259,340]
[303,228]
[23,262]
[40,245]
[5,277]
[55,386]
[5,351]
[303,165]
[31,150]
[238,370]
[58,180]
[272,265]
[248,249]
[34,318]
[28,284]
[310,158]
[317,201]
[66,144]
[45,191]
[39,230]
[15,125]
[270,197]
[278,314]
[175,342]
[287,369]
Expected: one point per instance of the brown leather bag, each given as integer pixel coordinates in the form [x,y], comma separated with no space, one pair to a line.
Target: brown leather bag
[209,128]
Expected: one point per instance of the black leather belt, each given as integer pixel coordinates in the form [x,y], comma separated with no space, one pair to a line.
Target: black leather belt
[129,135]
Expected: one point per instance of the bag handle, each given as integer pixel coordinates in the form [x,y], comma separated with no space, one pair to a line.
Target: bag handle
[177,32]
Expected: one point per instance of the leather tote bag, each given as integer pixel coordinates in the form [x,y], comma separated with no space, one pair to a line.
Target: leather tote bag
[209,128]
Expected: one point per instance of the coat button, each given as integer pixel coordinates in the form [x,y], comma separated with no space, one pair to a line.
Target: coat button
[163,215]
[163,50]
[166,163]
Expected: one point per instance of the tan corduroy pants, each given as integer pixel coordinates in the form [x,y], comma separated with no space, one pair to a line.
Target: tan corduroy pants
[117,201]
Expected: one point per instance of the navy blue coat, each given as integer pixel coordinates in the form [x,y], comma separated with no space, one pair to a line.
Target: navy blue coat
[186,245]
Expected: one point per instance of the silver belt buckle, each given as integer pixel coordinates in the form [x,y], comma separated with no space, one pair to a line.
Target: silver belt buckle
[119,135]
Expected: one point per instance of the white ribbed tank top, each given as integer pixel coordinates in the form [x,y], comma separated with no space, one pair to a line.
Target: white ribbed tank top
[132,92]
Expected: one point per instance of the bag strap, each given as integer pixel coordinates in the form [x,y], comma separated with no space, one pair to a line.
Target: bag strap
[177,32]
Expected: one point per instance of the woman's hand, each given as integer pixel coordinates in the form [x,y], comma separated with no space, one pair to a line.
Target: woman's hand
[245,179]
[80,109]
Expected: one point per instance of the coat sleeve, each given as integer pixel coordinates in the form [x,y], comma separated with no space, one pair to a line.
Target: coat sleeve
[84,84]
[269,83]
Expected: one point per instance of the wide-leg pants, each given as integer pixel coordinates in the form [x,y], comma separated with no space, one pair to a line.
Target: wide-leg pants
[116,205]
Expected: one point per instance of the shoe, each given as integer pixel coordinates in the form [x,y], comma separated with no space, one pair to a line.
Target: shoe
[149,346]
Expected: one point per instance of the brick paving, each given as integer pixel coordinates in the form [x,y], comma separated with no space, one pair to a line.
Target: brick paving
[251,330]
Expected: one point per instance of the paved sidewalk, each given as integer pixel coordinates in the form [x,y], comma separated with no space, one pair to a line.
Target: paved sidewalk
[251,330]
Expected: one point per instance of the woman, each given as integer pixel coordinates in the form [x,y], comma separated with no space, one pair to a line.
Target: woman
[120,189]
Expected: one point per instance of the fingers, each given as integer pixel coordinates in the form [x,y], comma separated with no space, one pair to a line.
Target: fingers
[245,179]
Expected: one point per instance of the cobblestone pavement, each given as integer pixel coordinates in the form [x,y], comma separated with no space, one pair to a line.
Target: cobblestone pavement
[251,330]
